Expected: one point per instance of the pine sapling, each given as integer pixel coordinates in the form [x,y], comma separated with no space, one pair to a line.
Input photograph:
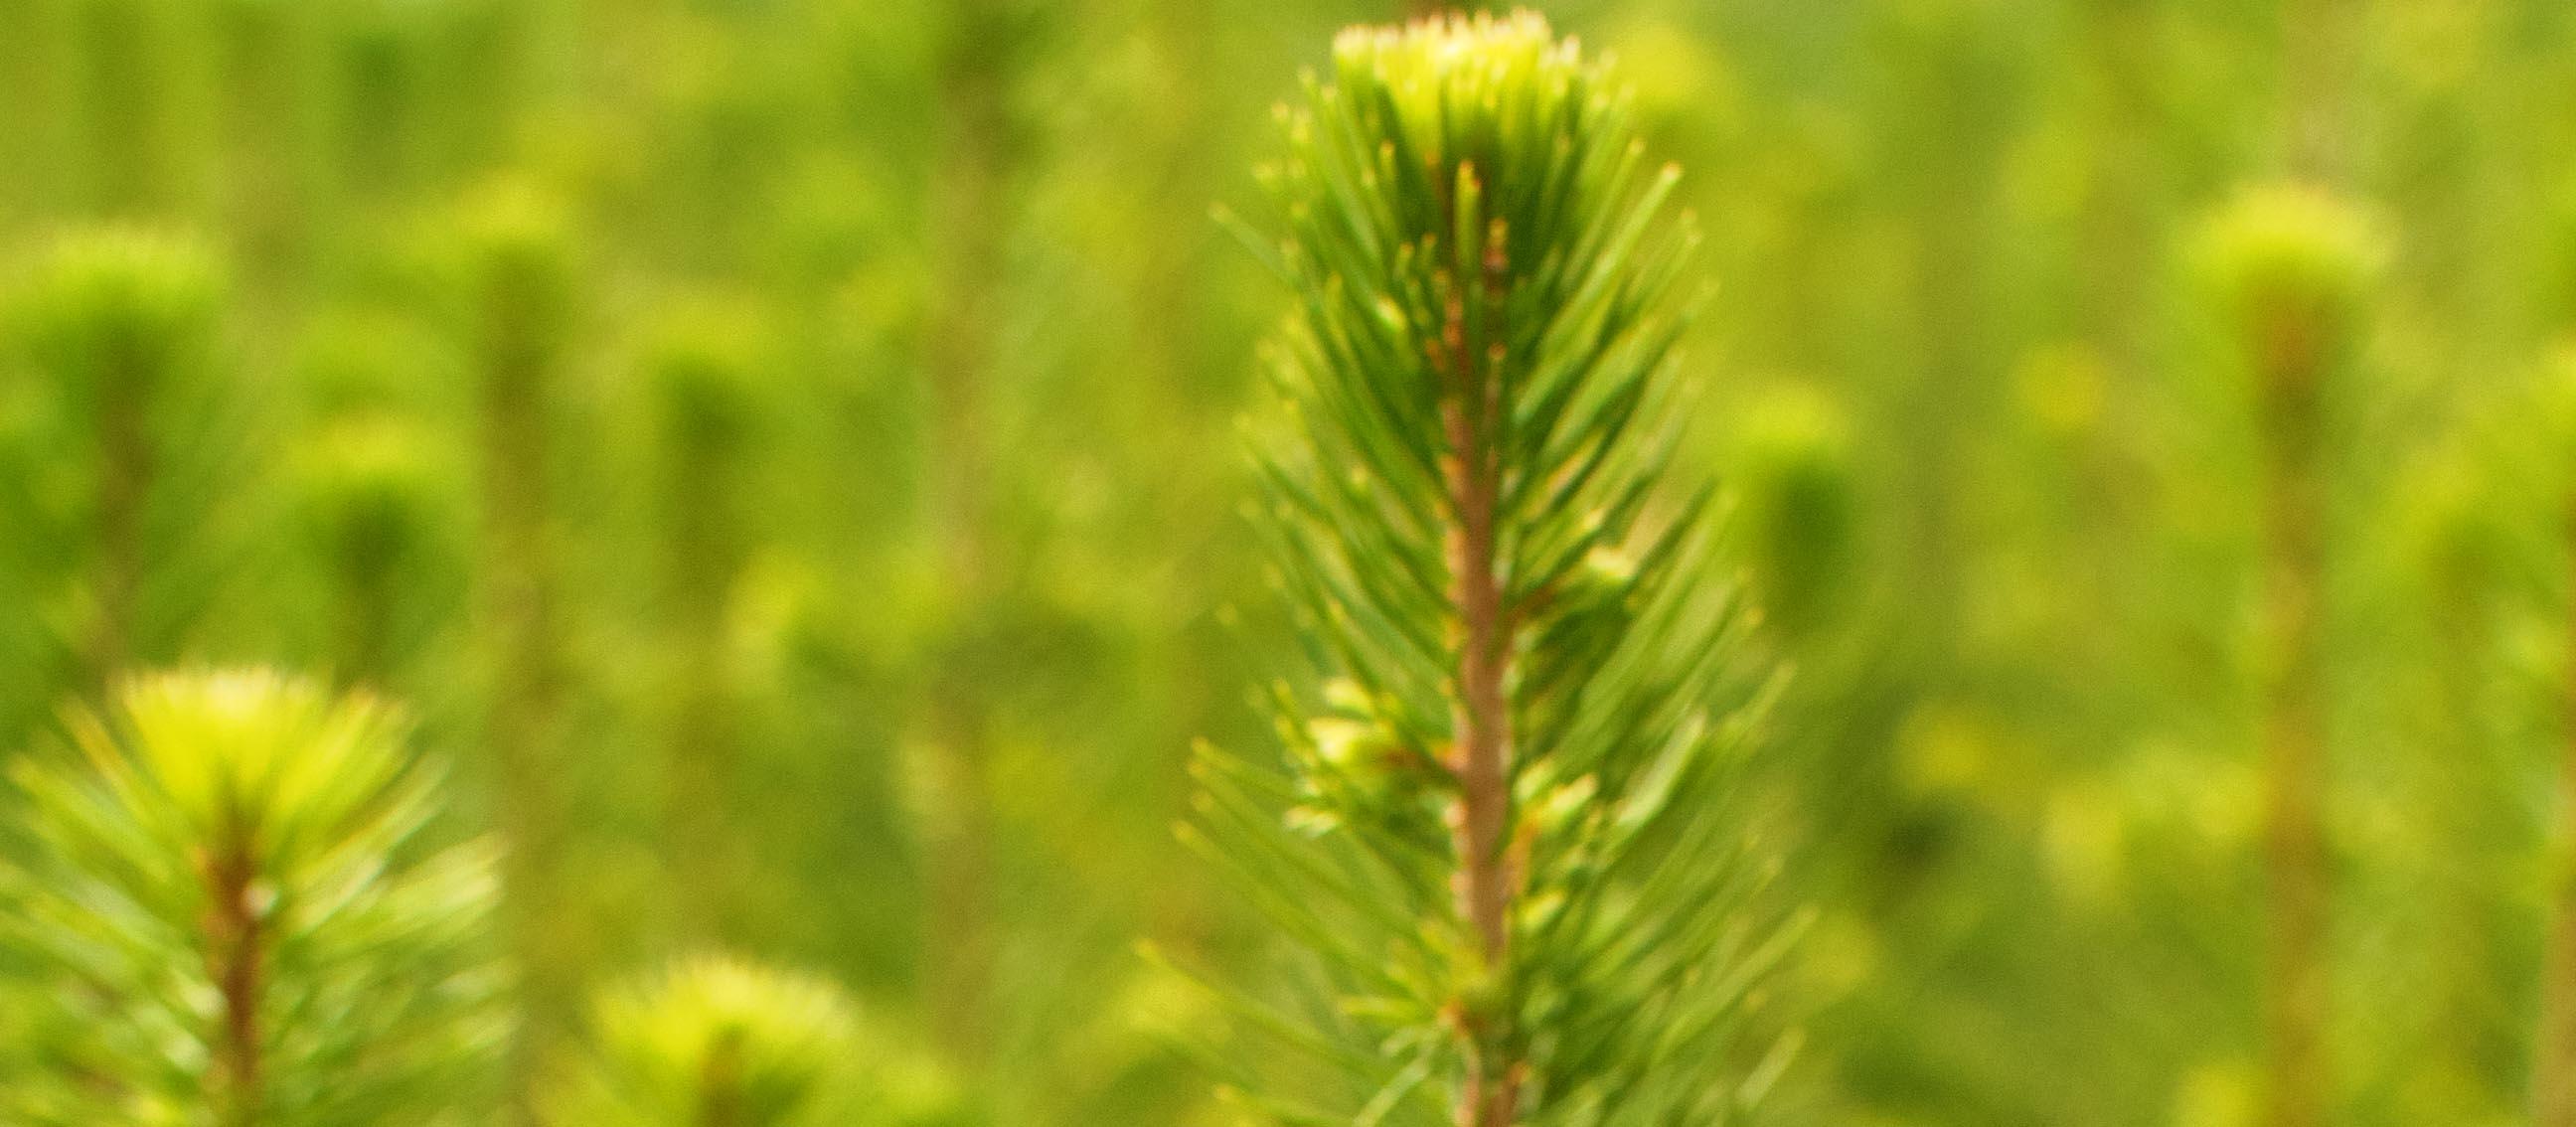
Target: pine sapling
[982,152]
[1800,510]
[373,507]
[121,327]
[2289,271]
[716,1042]
[704,379]
[230,908]
[379,500]
[1508,830]
[517,292]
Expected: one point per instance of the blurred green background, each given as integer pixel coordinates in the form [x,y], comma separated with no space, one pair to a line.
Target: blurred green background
[784,451]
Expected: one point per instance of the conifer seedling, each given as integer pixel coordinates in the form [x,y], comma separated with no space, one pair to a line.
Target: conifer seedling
[228,908]
[718,1042]
[518,274]
[372,505]
[121,327]
[703,371]
[2289,272]
[1508,833]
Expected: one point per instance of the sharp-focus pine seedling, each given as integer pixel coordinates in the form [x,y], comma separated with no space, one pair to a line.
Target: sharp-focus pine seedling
[1505,829]
[228,910]
[2289,272]
[714,1042]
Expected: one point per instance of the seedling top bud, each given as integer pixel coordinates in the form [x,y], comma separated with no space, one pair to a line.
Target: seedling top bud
[236,864]
[372,495]
[1498,93]
[713,1041]
[119,316]
[704,367]
[518,265]
[2290,270]
[1443,193]
[251,761]
[1795,469]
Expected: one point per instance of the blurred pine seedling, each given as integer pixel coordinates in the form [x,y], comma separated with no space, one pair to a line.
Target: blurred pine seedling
[135,438]
[716,1042]
[2289,270]
[232,906]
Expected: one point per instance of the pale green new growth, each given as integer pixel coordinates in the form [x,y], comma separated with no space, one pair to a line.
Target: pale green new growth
[715,1042]
[2289,270]
[122,313]
[224,912]
[1505,830]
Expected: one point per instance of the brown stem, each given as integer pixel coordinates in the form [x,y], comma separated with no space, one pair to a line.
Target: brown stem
[234,964]
[1480,716]
[1483,731]
[2298,1002]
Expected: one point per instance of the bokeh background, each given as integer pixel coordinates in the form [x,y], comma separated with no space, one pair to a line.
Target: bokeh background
[784,452]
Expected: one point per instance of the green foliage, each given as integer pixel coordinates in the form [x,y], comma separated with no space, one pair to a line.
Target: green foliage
[1800,507]
[2288,269]
[875,641]
[715,1042]
[372,497]
[375,504]
[1473,450]
[704,367]
[118,316]
[514,252]
[231,909]
[131,425]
